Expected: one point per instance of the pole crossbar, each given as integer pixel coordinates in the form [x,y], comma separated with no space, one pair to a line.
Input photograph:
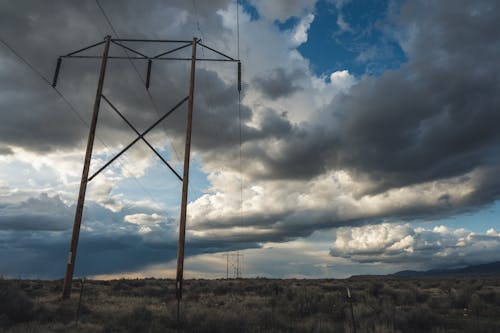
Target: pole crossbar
[142,58]
[218,52]
[143,138]
[141,135]
[131,50]
[171,51]
[150,40]
[85,48]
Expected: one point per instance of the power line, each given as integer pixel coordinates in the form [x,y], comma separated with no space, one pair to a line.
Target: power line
[239,101]
[198,24]
[143,81]
[191,186]
[153,103]
[72,108]
[238,26]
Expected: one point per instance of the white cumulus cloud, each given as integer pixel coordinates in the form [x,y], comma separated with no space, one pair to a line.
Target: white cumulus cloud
[421,247]
[144,219]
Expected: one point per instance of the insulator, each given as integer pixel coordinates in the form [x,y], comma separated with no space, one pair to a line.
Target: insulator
[239,76]
[56,73]
[148,76]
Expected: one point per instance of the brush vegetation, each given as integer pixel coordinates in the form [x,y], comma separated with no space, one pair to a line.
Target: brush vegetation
[380,304]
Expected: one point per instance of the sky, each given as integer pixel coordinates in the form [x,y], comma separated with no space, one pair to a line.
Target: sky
[369,138]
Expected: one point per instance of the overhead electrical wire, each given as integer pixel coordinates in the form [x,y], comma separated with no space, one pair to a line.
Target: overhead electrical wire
[150,97]
[239,100]
[198,26]
[71,107]
[106,17]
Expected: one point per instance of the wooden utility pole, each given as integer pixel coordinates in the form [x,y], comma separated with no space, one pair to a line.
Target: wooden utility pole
[70,267]
[185,181]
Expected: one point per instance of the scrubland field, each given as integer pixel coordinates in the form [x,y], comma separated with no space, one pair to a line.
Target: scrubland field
[379,304]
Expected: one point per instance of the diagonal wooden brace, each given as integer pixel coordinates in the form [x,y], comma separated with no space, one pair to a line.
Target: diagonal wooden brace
[140,136]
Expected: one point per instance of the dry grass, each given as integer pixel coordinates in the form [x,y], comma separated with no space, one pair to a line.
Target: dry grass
[255,305]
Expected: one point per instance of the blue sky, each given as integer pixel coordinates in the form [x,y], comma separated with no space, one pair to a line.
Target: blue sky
[369,139]
[339,38]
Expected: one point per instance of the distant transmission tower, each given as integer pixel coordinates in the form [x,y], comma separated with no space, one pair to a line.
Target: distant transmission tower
[167,55]
[227,255]
[236,264]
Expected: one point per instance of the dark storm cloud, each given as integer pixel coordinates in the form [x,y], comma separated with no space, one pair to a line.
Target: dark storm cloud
[34,117]
[107,245]
[433,118]
[41,213]
[6,151]
[279,83]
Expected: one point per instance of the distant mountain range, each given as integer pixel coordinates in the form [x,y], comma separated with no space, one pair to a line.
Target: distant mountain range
[483,269]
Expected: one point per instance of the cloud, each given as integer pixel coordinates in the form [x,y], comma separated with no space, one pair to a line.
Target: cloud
[281,10]
[417,247]
[299,35]
[342,80]
[343,25]
[6,151]
[416,141]
[144,219]
[279,83]
[40,213]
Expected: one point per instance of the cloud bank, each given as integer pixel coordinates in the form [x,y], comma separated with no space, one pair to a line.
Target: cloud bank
[318,152]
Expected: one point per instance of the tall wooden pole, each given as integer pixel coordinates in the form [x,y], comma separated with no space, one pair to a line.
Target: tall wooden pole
[70,267]
[185,182]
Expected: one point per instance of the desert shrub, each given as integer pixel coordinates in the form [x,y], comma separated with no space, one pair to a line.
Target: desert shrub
[406,297]
[476,305]
[420,296]
[439,302]
[152,291]
[490,297]
[390,293]
[376,327]
[330,301]
[139,320]
[221,289]
[202,320]
[461,298]
[482,326]
[120,285]
[306,301]
[418,319]
[15,306]
[375,288]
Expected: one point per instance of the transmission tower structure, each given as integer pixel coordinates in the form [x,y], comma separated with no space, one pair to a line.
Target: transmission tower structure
[236,264]
[174,46]
[238,255]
